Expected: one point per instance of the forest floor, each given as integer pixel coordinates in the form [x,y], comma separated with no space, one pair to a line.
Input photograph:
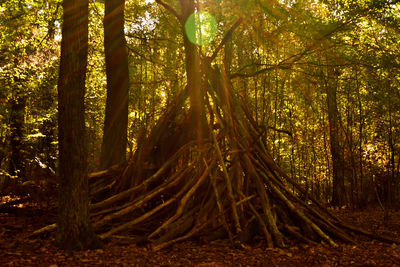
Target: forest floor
[18,250]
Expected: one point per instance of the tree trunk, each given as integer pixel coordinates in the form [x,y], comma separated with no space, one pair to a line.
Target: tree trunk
[113,149]
[193,74]
[17,113]
[74,229]
[338,190]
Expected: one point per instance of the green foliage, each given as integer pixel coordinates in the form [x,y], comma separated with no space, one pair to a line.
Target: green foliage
[28,71]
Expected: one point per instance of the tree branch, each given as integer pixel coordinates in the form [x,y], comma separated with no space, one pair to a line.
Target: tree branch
[248,75]
[281,131]
[227,36]
[170,9]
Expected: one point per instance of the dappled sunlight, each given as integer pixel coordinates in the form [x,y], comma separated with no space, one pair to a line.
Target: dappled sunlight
[10,198]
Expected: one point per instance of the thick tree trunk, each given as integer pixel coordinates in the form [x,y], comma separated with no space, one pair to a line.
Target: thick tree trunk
[74,230]
[113,150]
[338,190]
[193,74]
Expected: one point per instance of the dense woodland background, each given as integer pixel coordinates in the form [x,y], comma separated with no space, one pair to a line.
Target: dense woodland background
[321,77]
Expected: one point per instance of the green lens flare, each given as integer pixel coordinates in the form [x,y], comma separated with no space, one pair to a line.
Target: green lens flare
[201,28]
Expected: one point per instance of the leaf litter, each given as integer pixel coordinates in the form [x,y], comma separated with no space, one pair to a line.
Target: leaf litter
[18,250]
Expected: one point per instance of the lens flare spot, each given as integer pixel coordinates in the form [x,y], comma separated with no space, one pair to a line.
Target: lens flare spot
[201,28]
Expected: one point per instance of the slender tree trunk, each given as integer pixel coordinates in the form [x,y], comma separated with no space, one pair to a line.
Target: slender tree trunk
[113,149]
[338,190]
[350,166]
[360,144]
[17,113]
[392,184]
[74,230]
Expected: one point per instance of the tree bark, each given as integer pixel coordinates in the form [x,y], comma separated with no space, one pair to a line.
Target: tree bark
[193,74]
[113,149]
[74,230]
[338,190]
